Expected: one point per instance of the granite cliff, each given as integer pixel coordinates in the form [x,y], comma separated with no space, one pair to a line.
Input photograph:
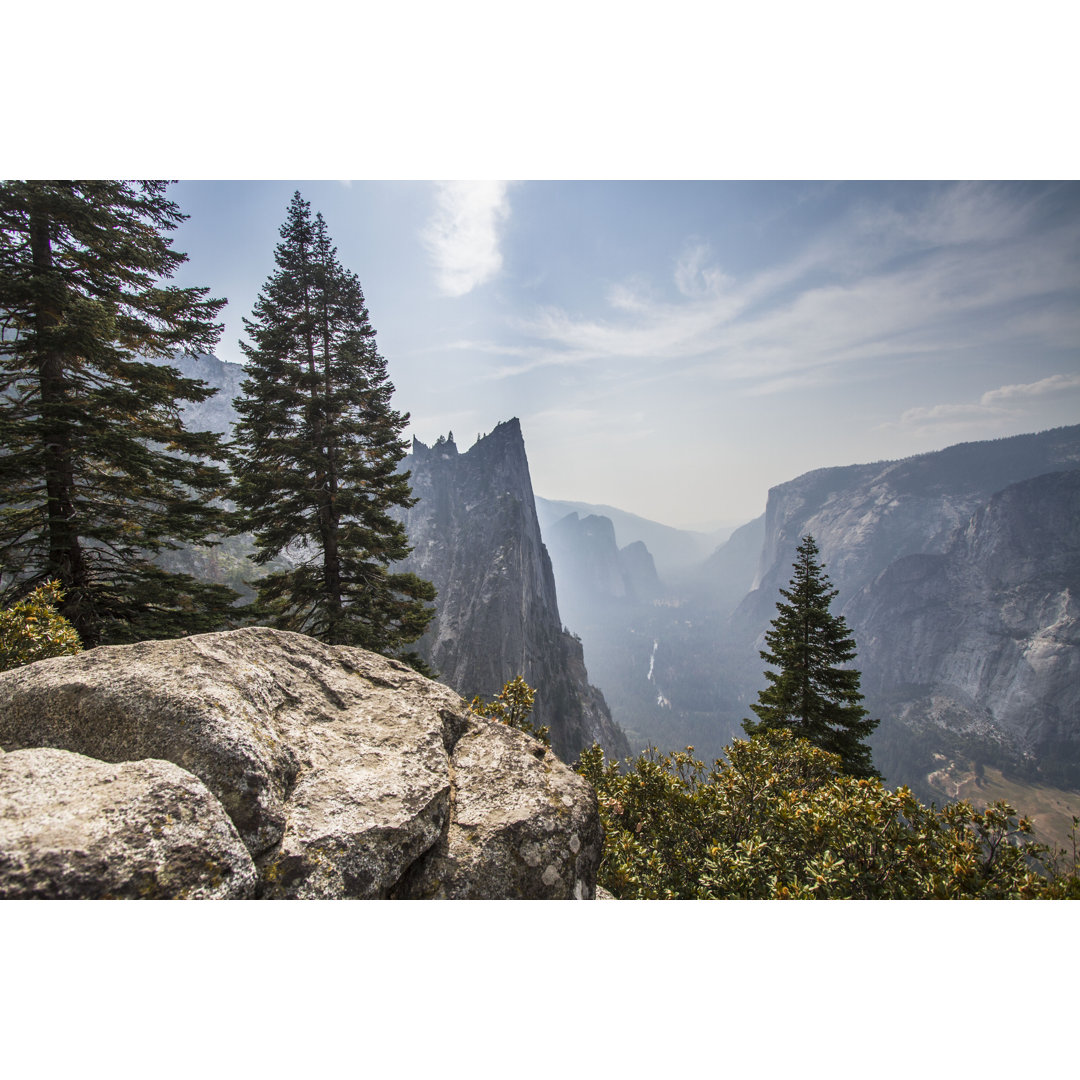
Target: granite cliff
[475,536]
[957,573]
[983,639]
[865,517]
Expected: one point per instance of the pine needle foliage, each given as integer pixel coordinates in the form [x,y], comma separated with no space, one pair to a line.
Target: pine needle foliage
[316,454]
[97,472]
[810,692]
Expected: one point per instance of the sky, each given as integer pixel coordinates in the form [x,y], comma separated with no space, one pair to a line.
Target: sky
[677,348]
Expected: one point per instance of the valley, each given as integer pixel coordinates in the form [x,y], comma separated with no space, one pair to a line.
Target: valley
[958,572]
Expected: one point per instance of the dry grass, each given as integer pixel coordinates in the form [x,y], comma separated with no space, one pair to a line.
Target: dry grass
[1050,810]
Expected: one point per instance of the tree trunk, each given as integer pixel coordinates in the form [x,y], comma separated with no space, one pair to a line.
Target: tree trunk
[328,509]
[65,559]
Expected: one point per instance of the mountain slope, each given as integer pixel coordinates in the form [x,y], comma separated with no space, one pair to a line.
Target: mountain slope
[956,572]
[864,517]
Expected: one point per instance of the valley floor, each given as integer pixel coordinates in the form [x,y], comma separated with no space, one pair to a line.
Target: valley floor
[1050,810]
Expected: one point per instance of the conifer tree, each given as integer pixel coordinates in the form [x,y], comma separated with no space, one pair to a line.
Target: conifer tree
[810,693]
[97,472]
[316,454]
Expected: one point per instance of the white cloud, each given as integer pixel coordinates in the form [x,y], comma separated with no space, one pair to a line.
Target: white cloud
[694,276]
[965,271]
[462,237]
[948,414]
[1003,401]
[1054,384]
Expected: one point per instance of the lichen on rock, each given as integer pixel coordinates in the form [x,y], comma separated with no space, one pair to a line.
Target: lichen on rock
[345,774]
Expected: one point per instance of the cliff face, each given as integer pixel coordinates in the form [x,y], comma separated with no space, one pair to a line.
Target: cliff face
[475,536]
[865,517]
[591,569]
[985,637]
[958,575]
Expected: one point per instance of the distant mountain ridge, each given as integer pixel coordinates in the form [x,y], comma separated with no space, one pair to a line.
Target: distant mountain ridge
[673,550]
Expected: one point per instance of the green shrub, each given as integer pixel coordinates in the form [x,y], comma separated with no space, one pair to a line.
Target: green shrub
[33,629]
[512,706]
[781,819]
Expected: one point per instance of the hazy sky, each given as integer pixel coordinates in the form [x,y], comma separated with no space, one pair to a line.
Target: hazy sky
[675,349]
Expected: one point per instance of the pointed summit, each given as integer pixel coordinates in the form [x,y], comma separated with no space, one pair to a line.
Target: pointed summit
[476,537]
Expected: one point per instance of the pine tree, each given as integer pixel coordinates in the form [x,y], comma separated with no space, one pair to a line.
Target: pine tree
[316,454]
[810,693]
[97,472]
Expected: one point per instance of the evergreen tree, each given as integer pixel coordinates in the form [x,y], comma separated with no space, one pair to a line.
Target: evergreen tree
[97,472]
[316,454]
[810,693]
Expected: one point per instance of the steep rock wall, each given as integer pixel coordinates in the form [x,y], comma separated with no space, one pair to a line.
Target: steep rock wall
[956,573]
[475,536]
[986,636]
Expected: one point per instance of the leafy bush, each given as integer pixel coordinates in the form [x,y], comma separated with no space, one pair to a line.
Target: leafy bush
[512,705]
[33,629]
[781,819]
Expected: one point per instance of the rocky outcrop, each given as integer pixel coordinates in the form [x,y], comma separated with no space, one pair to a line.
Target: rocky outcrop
[74,828]
[344,773]
[520,826]
[475,536]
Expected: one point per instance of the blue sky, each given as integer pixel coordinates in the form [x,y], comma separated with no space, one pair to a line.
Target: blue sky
[676,348]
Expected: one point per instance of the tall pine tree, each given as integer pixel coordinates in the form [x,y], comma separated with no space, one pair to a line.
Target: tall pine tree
[809,692]
[97,472]
[316,454]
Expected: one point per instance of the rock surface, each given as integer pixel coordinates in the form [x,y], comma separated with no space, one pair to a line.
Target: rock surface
[865,517]
[74,828]
[341,769]
[475,536]
[985,637]
[522,825]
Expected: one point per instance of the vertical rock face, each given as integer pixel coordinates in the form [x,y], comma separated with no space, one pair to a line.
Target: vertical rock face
[865,517]
[591,569]
[957,573]
[987,634]
[476,538]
